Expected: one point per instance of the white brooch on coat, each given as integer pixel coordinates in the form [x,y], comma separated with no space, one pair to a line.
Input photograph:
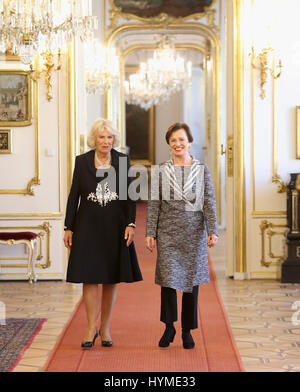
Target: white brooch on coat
[102,197]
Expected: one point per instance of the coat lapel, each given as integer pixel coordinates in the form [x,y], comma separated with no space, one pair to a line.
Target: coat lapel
[115,159]
[90,161]
[188,185]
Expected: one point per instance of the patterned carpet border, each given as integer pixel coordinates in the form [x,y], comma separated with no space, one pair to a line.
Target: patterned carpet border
[15,337]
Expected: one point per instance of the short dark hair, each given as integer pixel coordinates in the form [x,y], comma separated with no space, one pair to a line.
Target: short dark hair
[175,127]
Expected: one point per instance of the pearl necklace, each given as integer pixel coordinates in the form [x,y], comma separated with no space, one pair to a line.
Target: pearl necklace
[103,164]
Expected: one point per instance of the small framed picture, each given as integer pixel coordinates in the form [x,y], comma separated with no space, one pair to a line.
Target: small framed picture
[5,141]
[15,98]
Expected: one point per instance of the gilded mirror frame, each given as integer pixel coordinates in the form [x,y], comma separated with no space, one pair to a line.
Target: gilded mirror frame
[115,105]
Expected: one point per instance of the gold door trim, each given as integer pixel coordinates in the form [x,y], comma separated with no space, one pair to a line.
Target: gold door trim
[71,114]
[240,255]
[278,214]
[282,187]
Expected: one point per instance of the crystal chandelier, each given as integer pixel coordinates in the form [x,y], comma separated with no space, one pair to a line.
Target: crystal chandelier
[160,77]
[31,27]
[101,67]
[138,90]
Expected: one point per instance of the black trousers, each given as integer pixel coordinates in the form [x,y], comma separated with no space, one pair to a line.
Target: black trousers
[189,312]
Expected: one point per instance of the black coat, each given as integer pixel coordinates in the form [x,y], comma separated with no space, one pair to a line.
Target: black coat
[99,253]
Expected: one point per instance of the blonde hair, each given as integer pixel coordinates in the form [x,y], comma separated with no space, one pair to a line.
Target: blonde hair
[100,125]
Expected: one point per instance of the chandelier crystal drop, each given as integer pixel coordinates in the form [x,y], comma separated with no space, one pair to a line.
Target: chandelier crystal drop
[102,68]
[158,78]
[31,27]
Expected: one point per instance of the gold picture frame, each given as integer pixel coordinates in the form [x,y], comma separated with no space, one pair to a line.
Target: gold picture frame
[9,55]
[15,98]
[5,141]
[137,10]
[298,132]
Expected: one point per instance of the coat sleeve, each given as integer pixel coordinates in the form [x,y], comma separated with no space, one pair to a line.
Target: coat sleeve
[153,208]
[209,207]
[73,199]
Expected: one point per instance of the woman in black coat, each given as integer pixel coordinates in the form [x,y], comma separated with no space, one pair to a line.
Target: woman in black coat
[99,227]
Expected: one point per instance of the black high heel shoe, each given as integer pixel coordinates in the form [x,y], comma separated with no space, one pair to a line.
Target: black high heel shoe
[88,344]
[106,343]
[187,340]
[167,337]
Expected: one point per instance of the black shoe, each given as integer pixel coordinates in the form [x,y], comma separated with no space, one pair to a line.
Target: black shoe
[167,337]
[87,345]
[106,343]
[187,340]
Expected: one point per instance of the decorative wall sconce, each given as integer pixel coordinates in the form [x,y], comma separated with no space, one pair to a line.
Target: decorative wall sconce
[48,67]
[261,62]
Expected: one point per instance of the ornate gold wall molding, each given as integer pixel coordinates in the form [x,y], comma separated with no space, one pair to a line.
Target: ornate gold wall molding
[45,231]
[276,178]
[59,135]
[265,229]
[36,179]
[162,19]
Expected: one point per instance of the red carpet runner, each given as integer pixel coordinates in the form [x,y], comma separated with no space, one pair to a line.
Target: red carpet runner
[136,329]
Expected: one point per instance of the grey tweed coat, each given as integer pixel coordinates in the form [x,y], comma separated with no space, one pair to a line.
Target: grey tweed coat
[180,216]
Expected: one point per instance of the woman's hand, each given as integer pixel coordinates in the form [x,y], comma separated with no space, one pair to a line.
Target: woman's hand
[68,238]
[150,243]
[129,234]
[212,240]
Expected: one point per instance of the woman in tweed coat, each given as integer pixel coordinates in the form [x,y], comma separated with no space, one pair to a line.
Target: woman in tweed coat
[182,222]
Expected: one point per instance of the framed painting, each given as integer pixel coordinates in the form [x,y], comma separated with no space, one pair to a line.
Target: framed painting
[15,98]
[5,141]
[152,8]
